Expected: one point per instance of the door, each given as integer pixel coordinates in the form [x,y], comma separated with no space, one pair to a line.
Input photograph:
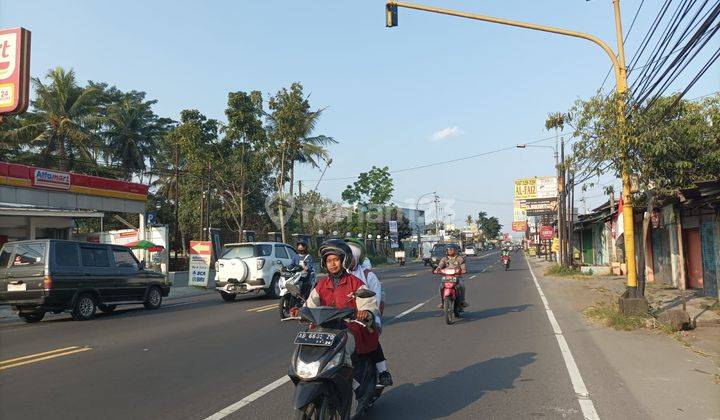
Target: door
[693,258]
[27,271]
[662,271]
[66,271]
[281,256]
[129,280]
[5,258]
[98,274]
[587,247]
[709,258]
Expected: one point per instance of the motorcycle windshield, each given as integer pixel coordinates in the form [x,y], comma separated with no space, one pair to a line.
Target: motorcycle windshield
[324,315]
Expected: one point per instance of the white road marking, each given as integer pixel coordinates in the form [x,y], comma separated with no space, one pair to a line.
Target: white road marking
[402,314]
[250,398]
[473,276]
[410,275]
[586,404]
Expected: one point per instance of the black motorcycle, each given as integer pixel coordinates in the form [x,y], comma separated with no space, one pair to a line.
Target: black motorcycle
[289,300]
[323,372]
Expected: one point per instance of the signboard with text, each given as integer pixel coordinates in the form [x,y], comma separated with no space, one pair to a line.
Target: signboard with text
[547,232]
[519,226]
[541,206]
[200,255]
[51,179]
[14,70]
[536,187]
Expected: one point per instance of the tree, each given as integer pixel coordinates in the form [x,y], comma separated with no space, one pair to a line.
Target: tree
[490,226]
[291,122]
[59,127]
[374,187]
[469,220]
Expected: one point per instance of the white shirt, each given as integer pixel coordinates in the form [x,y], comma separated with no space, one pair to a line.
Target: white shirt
[373,283]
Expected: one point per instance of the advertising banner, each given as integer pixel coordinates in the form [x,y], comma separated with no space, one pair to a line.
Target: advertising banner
[14,70]
[519,213]
[519,226]
[525,188]
[541,206]
[200,255]
[393,228]
[547,232]
[536,187]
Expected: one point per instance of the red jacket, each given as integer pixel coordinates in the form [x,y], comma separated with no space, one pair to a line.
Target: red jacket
[326,294]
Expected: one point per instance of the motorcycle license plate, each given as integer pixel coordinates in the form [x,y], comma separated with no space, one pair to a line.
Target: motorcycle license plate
[308,338]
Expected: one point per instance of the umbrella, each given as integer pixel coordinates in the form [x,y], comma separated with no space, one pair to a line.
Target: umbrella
[145,245]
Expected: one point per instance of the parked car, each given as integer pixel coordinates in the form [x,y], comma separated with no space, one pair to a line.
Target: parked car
[252,267]
[49,275]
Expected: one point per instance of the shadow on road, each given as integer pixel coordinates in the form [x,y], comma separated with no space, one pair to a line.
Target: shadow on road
[466,316]
[441,397]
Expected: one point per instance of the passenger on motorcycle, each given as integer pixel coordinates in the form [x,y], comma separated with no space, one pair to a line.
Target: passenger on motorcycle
[453,260]
[307,264]
[337,290]
[374,284]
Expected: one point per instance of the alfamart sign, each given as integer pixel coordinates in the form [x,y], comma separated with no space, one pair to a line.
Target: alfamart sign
[51,179]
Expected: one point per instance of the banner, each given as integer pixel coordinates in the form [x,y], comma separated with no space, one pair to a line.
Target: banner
[536,187]
[525,188]
[541,206]
[519,226]
[547,232]
[519,211]
[393,227]
[14,70]
[200,255]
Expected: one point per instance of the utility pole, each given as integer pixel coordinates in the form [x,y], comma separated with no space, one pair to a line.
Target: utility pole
[631,302]
[176,163]
[300,205]
[437,212]
[208,199]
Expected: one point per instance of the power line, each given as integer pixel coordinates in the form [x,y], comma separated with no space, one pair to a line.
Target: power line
[445,162]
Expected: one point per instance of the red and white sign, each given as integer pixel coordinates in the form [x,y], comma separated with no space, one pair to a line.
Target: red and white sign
[123,237]
[51,179]
[14,70]
[200,255]
[519,226]
[547,232]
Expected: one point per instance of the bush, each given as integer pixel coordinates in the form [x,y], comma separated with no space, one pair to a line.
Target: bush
[557,270]
[609,315]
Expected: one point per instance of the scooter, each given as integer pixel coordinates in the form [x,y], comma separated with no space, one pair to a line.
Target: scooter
[288,300]
[324,368]
[506,262]
[451,304]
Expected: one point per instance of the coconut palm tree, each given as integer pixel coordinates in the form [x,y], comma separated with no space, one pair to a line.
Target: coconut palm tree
[60,126]
[311,149]
[132,131]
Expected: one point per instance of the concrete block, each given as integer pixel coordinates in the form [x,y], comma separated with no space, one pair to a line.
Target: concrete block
[676,319]
[633,306]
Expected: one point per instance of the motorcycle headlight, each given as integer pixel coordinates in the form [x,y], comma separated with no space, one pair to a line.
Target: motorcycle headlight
[307,370]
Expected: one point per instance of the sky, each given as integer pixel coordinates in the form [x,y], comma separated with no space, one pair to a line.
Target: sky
[435,88]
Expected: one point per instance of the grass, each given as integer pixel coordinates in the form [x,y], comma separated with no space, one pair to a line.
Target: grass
[560,271]
[609,315]
[715,307]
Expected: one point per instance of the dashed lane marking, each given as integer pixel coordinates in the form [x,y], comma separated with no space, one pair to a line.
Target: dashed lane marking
[402,314]
[473,276]
[263,308]
[581,392]
[250,398]
[38,357]
[410,275]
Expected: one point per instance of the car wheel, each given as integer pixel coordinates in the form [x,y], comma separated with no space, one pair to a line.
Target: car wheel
[228,297]
[274,290]
[107,308]
[85,307]
[154,298]
[31,317]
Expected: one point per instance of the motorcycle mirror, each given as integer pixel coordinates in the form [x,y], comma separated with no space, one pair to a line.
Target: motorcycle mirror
[292,288]
[364,293]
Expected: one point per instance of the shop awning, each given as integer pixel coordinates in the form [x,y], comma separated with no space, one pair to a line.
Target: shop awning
[11,209]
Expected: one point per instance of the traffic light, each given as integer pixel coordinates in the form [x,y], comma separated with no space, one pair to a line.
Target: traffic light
[391,15]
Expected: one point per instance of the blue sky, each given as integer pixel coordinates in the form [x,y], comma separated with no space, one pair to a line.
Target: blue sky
[435,88]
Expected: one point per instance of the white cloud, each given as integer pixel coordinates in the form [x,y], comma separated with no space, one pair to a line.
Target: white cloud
[447,133]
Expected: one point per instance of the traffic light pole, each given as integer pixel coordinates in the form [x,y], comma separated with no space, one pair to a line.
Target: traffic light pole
[618,62]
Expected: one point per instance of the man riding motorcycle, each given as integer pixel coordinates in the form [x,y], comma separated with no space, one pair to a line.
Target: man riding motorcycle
[307,263]
[453,260]
[373,283]
[337,290]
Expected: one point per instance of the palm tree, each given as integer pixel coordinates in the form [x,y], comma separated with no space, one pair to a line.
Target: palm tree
[311,149]
[469,220]
[132,131]
[61,124]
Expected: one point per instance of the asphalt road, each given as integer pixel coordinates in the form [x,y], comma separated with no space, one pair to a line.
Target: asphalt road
[196,356]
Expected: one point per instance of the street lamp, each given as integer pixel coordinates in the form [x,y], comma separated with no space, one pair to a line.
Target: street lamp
[618,62]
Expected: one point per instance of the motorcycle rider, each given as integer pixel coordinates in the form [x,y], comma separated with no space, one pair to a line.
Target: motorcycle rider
[374,284]
[337,290]
[307,264]
[453,260]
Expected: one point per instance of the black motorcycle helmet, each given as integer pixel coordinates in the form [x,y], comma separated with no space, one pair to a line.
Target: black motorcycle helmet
[336,247]
[304,245]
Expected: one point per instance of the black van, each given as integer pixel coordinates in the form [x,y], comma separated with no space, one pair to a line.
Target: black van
[49,275]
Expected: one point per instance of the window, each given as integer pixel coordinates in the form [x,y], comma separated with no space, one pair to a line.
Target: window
[292,252]
[242,251]
[263,250]
[94,257]
[29,254]
[125,258]
[66,254]
[280,252]
[5,255]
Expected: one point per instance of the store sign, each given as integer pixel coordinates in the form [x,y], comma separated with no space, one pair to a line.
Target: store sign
[519,226]
[547,232]
[519,211]
[14,70]
[541,206]
[393,228]
[51,179]
[536,187]
[200,255]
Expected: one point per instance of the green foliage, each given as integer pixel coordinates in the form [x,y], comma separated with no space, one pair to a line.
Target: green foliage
[374,187]
[670,144]
[609,315]
[490,226]
[560,271]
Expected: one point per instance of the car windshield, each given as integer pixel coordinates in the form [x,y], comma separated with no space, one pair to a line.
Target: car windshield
[247,251]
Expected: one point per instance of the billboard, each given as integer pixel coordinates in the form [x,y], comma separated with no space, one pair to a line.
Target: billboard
[519,226]
[14,70]
[200,255]
[536,187]
[541,206]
